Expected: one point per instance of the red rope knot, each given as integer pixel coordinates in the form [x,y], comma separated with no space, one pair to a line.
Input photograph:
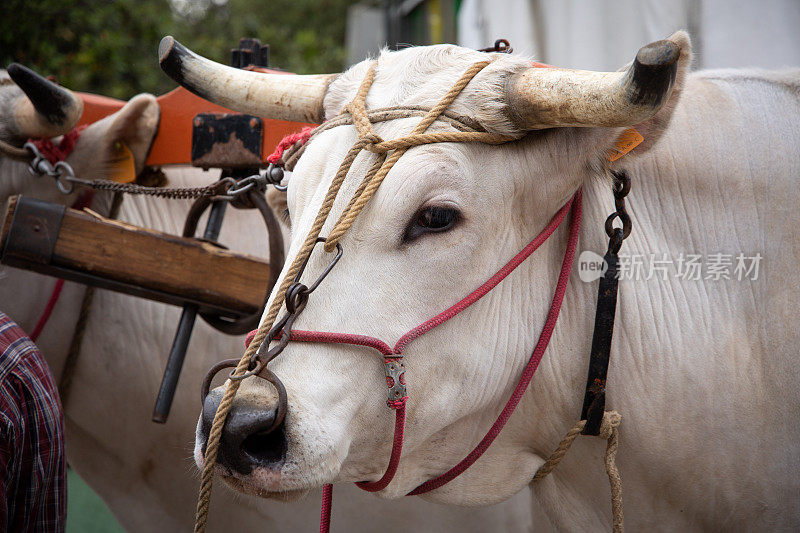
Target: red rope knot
[54,153]
[287,142]
[395,381]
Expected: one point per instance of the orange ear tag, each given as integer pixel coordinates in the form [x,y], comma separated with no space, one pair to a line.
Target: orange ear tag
[122,168]
[627,141]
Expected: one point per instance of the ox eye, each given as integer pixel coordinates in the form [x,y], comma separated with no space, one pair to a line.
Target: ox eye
[433,219]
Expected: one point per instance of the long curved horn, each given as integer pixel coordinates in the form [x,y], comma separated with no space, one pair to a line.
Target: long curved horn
[551,97]
[278,96]
[49,110]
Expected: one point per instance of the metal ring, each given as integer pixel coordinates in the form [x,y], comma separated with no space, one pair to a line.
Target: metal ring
[242,187]
[206,385]
[62,172]
[283,400]
[238,326]
[296,297]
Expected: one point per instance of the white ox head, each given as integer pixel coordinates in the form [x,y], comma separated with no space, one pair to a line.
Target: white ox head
[445,219]
[34,107]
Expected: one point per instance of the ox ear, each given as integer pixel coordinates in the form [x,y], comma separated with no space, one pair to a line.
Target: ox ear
[652,128]
[135,125]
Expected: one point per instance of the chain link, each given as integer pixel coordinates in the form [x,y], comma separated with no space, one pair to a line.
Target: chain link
[622,186]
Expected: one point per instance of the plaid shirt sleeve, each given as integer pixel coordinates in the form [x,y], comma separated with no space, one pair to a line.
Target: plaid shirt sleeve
[32,461]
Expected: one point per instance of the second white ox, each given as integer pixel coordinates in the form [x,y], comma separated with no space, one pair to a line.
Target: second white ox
[143,470]
[703,371]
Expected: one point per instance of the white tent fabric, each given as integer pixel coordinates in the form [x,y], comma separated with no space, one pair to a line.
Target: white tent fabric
[605,34]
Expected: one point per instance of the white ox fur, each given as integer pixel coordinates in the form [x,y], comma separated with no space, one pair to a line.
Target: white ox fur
[143,470]
[704,372]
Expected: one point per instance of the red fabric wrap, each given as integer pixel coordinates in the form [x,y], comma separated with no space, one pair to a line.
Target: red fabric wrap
[300,137]
[54,153]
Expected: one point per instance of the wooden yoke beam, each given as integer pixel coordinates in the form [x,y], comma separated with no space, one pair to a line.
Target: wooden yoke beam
[78,246]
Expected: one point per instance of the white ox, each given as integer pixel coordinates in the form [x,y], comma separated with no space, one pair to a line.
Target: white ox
[143,470]
[704,372]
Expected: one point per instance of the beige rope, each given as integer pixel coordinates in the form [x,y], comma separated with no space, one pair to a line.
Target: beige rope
[292,154]
[609,430]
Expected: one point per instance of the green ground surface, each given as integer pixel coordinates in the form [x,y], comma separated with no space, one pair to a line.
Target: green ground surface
[86,512]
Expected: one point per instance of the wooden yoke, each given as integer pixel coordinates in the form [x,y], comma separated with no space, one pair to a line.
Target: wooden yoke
[78,246]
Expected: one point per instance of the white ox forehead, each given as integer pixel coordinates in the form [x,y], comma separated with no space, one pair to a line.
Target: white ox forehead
[421,76]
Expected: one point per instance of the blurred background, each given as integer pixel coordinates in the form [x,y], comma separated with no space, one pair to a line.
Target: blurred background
[109,48]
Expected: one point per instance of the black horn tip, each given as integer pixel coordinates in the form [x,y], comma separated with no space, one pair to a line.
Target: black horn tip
[165,47]
[170,56]
[49,100]
[653,72]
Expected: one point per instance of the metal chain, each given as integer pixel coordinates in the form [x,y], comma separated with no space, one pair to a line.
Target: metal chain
[622,186]
[64,176]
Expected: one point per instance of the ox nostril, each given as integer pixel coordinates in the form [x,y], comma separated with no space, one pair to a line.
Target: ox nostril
[248,437]
[266,447]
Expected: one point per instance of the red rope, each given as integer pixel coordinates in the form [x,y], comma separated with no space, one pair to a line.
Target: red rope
[84,200]
[484,289]
[325,511]
[48,310]
[530,368]
[397,448]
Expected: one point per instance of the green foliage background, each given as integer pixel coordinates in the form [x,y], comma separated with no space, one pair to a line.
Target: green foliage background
[110,47]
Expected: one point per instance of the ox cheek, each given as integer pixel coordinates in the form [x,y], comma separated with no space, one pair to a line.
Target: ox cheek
[248,439]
